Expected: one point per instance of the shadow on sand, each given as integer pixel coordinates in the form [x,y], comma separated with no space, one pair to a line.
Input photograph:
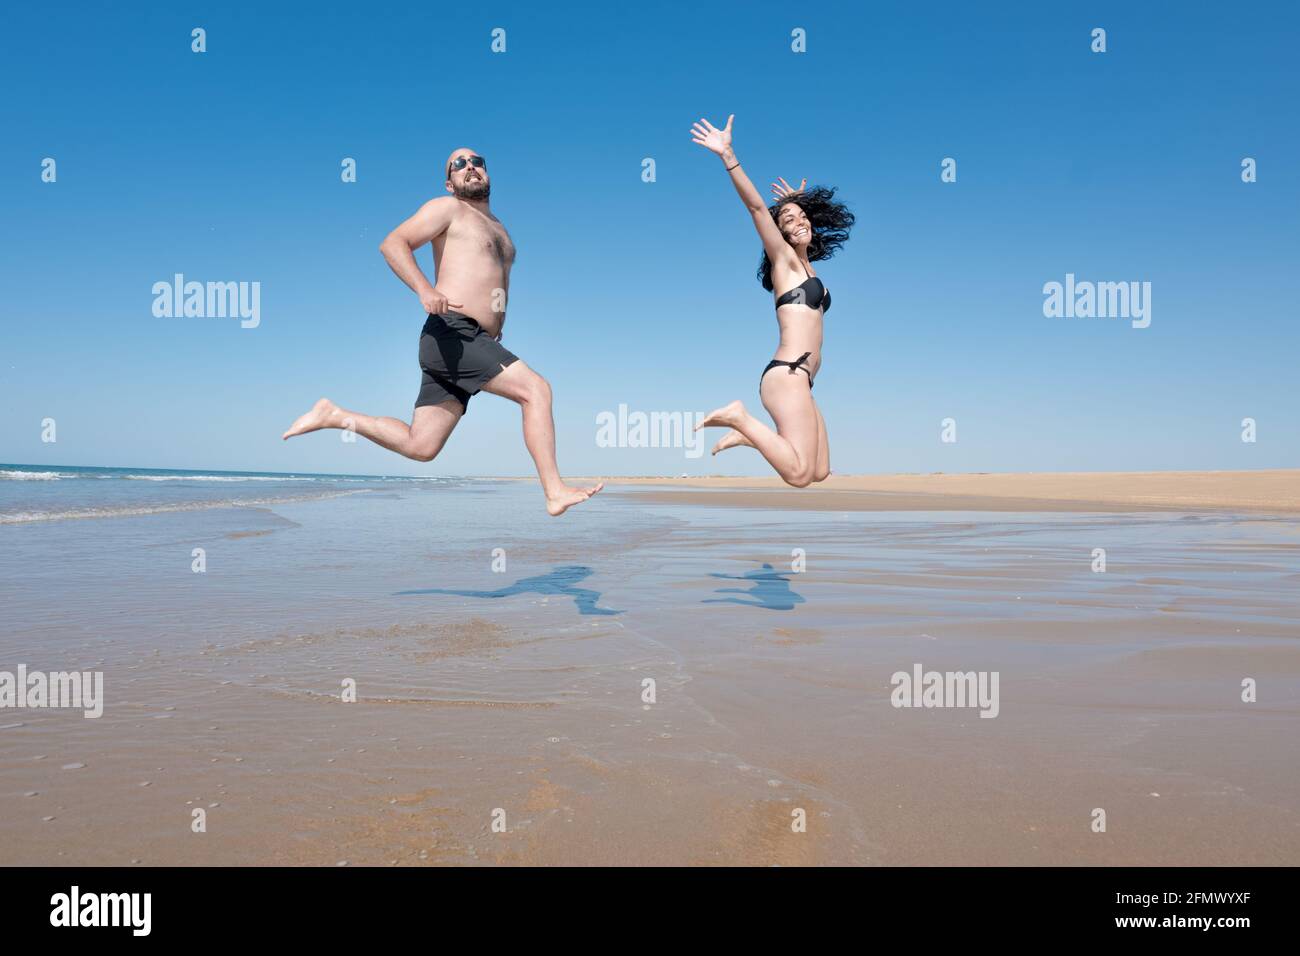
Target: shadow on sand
[770,590]
[562,581]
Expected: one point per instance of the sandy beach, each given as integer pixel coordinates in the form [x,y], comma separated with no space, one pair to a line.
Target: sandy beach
[1271,492]
[674,675]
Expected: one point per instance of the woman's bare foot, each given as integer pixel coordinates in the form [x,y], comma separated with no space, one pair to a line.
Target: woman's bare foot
[731,440]
[560,503]
[728,416]
[322,415]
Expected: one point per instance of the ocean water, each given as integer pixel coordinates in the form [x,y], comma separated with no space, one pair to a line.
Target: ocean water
[93,550]
[52,493]
[635,681]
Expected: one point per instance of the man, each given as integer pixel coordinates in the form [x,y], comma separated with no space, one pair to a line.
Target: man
[460,351]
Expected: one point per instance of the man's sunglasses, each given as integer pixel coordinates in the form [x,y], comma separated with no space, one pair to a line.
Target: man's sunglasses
[460,162]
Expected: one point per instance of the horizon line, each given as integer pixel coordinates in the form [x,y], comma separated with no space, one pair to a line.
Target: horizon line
[864,474]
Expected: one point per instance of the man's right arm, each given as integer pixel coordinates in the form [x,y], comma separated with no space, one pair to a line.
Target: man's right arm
[399,247]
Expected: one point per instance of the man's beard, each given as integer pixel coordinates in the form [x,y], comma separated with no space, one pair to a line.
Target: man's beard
[474,189]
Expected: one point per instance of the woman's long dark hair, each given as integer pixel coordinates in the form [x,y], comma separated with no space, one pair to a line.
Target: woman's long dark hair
[831,222]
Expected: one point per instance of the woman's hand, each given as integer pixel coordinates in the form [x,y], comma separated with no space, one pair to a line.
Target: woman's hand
[785,190]
[710,137]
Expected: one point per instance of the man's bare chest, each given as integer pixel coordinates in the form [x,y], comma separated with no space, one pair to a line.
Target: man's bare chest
[481,237]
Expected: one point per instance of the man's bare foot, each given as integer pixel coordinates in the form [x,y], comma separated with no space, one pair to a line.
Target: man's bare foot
[566,499]
[322,415]
[728,416]
[731,440]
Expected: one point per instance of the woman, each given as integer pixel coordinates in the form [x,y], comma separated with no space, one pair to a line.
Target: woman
[801,228]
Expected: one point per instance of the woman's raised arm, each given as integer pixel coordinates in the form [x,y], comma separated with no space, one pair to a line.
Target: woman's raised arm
[718,141]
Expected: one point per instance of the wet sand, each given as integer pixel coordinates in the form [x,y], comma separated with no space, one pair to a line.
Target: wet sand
[523,691]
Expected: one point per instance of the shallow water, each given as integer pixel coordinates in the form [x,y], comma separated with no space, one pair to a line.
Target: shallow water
[501,660]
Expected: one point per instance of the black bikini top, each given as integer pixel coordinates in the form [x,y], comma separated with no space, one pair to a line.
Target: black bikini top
[810,292]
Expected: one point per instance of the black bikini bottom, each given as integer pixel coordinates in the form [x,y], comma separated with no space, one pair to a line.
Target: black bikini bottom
[800,363]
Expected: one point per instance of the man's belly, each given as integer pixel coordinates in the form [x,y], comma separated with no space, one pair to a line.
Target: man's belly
[487,306]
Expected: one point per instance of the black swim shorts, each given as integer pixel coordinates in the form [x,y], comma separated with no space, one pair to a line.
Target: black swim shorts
[457,358]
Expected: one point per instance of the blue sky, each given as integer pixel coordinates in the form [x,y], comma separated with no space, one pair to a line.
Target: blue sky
[225,166]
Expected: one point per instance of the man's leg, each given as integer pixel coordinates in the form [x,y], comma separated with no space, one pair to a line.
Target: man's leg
[521,384]
[421,440]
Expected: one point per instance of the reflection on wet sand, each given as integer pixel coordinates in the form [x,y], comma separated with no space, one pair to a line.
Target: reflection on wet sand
[561,581]
[770,590]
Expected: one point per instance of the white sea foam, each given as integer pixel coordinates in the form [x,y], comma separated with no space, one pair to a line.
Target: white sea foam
[21,517]
[6,475]
[18,475]
[219,478]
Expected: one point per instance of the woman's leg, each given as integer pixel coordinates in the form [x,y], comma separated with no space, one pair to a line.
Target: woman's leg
[731,440]
[823,468]
[735,439]
[793,448]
